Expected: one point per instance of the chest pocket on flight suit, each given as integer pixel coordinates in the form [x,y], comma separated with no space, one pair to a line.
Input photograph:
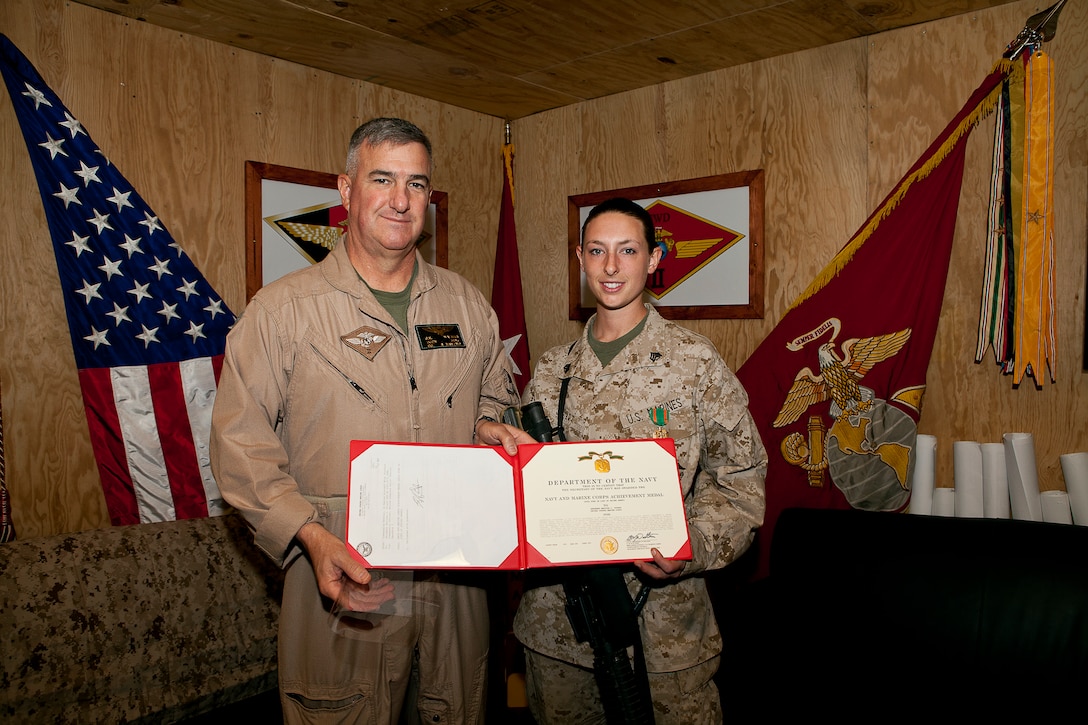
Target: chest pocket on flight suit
[460,387]
[325,369]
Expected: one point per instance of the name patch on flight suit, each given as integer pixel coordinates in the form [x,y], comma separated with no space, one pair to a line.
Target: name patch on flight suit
[436,337]
[366,341]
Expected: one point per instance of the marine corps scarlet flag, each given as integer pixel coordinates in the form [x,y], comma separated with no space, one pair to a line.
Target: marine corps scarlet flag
[506,295]
[836,387]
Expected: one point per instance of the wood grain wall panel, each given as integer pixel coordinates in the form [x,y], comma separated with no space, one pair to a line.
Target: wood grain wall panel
[919,78]
[713,123]
[468,166]
[812,107]
[547,167]
[179,116]
[621,141]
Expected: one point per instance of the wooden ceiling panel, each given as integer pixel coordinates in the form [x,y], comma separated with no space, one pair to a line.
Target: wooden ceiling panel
[513,58]
[522,36]
[892,14]
[741,39]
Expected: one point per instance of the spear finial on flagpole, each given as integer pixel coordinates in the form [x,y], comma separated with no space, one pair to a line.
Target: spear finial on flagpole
[1039,29]
[507,132]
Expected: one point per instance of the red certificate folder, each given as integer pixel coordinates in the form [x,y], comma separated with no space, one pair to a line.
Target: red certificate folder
[434,506]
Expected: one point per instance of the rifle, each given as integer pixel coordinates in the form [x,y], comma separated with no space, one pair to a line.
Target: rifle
[600,609]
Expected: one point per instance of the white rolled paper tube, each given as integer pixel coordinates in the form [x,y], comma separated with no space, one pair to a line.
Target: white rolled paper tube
[1075,470]
[921,482]
[995,482]
[1023,477]
[944,502]
[1055,507]
[967,469]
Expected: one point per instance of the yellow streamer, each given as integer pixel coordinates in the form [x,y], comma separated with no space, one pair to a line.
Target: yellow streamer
[1034,318]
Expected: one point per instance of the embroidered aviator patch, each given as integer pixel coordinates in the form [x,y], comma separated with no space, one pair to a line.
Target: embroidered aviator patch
[366,341]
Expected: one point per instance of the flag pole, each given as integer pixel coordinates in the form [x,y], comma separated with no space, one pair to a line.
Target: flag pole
[1039,29]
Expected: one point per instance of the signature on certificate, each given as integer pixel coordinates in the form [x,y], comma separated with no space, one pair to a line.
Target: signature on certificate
[416,489]
[638,540]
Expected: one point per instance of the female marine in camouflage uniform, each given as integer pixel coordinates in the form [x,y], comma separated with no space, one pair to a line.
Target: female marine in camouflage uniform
[634,374]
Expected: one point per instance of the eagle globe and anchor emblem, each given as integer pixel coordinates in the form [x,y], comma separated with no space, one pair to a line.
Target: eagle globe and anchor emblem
[866,449]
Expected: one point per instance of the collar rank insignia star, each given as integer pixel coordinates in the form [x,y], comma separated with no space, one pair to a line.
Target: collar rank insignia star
[659,416]
[655,356]
[366,341]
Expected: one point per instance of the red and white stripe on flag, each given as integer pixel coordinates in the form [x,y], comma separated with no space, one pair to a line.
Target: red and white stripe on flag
[149,429]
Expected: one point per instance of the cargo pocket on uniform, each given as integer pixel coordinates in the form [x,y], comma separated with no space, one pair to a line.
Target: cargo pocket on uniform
[694,678]
[349,708]
[435,709]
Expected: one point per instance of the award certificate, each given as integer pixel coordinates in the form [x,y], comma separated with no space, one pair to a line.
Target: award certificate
[439,506]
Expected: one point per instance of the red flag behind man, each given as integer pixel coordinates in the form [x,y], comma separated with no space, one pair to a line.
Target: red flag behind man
[506,287]
[836,387]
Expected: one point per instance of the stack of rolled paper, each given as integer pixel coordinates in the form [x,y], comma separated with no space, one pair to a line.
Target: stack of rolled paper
[921,485]
[1075,470]
[998,480]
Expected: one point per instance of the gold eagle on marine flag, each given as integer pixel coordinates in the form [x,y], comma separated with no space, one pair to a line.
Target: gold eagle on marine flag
[838,377]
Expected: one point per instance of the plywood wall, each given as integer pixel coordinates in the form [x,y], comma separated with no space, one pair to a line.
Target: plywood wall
[179,117]
[833,128]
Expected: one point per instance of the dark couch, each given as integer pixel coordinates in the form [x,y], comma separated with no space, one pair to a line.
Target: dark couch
[156,623]
[883,615]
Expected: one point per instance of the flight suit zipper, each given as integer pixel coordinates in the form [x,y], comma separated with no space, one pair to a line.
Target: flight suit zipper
[355,386]
[413,395]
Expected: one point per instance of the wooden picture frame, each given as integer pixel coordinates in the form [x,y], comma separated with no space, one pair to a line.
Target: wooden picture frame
[712,228]
[283,197]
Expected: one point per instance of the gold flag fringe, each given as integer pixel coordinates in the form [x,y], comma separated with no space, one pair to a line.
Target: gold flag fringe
[979,112]
[508,161]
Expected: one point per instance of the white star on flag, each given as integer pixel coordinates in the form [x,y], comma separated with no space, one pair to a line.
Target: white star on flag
[510,343]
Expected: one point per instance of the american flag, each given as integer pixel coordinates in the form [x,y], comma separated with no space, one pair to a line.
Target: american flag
[147,329]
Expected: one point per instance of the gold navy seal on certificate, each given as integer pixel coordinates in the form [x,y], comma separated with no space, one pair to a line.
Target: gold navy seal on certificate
[601,460]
